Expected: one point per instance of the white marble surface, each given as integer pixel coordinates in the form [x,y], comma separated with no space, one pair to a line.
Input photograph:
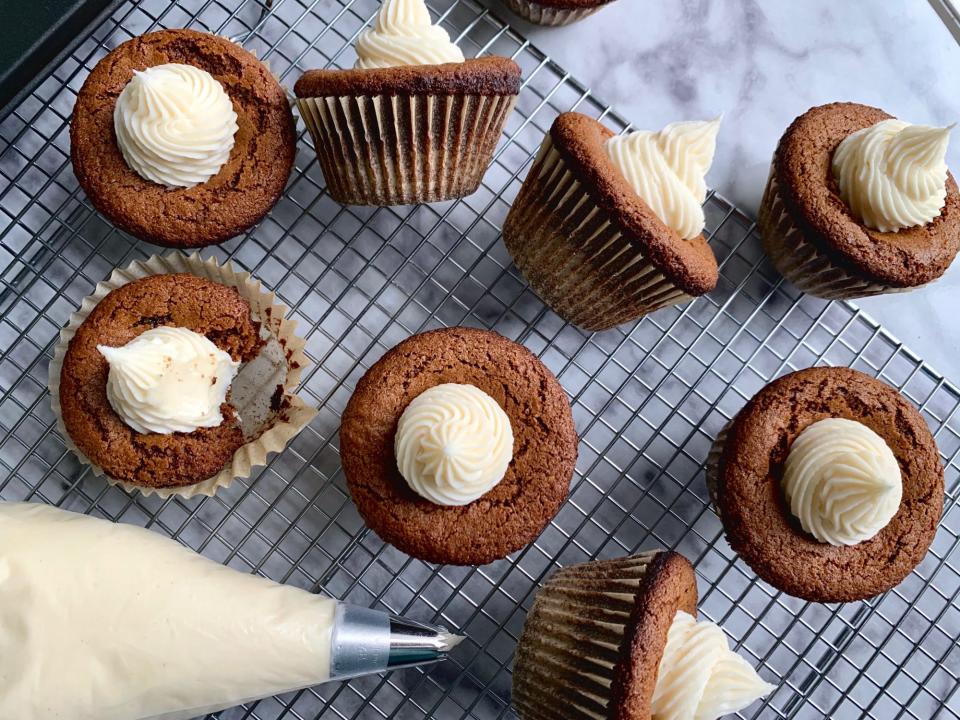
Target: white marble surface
[761,63]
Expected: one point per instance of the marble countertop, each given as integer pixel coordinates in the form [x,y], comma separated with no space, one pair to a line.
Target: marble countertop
[761,64]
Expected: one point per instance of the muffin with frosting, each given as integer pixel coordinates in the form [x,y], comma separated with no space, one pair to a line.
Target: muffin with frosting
[182,138]
[413,121]
[859,203]
[555,12]
[458,446]
[620,639]
[609,228]
[177,376]
[829,485]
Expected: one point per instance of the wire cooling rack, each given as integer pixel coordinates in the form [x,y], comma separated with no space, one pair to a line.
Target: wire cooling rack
[647,399]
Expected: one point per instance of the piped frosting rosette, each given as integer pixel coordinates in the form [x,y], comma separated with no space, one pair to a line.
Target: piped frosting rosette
[618,639]
[266,427]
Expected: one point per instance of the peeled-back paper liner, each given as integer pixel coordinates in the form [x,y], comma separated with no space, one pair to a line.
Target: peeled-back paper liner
[799,260]
[569,649]
[280,362]
[575,257]
[399,150]
[547,15]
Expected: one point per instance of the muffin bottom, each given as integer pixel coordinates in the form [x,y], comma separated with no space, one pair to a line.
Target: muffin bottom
[800,261]
[548,15]
[574,255]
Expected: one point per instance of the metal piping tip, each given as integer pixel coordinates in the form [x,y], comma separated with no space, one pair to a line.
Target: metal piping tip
[369,641]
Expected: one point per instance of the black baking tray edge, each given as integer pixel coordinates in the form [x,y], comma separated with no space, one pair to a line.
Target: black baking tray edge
[37,34]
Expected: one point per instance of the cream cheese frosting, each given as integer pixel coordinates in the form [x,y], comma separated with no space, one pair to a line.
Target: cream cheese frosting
[842,481]
[403,35]
[175,125]
[106,621]
[454,443]
[893,175]
[700,677]
[168,379]
[667,168]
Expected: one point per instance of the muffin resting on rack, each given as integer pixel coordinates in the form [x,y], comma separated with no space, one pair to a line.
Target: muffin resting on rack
[182,138]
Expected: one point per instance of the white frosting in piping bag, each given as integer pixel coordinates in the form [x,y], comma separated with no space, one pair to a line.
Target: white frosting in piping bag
[667,168]
[893,175]
[404,35]
[167,380]
[454,443]
[842,481]
[175,125]
[700,677]
[104,621]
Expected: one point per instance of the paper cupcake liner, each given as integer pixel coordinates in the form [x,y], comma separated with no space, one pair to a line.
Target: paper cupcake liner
[546,15]
[399,150]
[712,466]
[570,646]
[799,260]
[575,257]
[281,362]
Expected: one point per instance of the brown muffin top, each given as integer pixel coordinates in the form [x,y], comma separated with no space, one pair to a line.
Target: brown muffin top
[234,199]
[476,76]
[537,480]
[757,519]
[802,163]
[669,585]
[689,264]
[153,459]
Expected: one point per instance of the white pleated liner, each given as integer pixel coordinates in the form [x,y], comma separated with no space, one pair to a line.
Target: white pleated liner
[575,257]
[399,150]
[570,646]
[277,429]
[799,260]
[545,15]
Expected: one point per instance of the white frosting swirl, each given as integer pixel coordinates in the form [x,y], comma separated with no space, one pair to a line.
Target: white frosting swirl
[454,443]
[404,35]
[175,125]
[842,481]
[168,380]
[700,677]
[667,168]
[893,175]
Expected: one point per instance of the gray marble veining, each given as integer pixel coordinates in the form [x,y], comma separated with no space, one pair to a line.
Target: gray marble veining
[761,63]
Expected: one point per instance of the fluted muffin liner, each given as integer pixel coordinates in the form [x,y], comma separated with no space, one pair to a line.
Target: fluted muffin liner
[399,150]
[712,466]
[574,255]
[569,650]
[546,15]
[800,261]
[281,362]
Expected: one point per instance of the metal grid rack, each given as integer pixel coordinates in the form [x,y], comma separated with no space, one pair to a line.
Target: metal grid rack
[647,399]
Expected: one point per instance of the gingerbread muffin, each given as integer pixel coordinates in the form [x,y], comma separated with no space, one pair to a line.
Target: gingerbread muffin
[458,446]
[412,121]
[859,203]
[177,376]
[555,12]
[619,639]
[609,228]
[829,485]
[182,138]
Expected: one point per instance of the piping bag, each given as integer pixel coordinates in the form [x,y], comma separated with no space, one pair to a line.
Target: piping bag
[105,621]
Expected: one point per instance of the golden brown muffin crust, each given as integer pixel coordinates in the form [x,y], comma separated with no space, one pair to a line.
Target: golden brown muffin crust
[802,163]
[152,459]
[689,264]
[233,200]
[476,76]
[535,485]
[757,520]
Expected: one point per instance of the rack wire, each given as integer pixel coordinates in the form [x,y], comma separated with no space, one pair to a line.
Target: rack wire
[647,399]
